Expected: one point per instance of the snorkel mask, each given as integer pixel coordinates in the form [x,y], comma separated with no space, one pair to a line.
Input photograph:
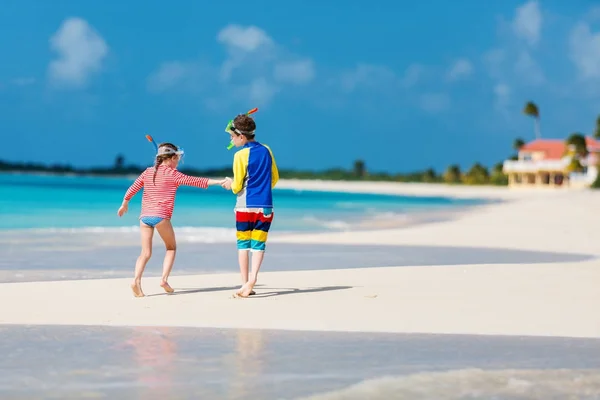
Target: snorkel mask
[231,129]
[166,150]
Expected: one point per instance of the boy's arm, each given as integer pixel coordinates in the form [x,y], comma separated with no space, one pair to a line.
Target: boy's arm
[240,167]
[274,170]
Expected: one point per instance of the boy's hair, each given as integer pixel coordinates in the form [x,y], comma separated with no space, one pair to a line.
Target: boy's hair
[244,125]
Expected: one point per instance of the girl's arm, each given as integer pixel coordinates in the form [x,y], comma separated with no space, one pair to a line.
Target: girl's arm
[197,181]
[135,187]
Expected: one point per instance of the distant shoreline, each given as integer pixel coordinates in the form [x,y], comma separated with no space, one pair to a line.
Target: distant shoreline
[364,186]
[69,174]
[310,179]
[477,175]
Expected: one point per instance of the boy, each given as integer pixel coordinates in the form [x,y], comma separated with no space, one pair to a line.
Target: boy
[255,174]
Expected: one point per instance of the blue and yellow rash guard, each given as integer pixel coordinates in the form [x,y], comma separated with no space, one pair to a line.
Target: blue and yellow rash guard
[254,175]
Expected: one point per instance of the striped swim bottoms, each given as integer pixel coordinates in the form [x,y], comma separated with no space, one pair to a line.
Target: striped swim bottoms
[252,225]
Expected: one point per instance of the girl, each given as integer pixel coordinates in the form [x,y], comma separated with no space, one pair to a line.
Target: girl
[160,184]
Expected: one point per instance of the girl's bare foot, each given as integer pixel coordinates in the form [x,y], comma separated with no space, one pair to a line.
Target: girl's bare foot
[167,287]
[136,287]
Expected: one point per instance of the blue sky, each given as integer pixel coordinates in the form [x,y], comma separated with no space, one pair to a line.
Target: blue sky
[403,86]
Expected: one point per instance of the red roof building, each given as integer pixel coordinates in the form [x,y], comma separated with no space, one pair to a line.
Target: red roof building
[544,162]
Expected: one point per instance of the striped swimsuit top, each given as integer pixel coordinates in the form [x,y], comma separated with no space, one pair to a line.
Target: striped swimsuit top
[158,199]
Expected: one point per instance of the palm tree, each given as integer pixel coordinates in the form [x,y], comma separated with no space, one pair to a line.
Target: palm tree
[360,168]
[477,175]
[579,146]
[452,174]
[531,109]
[518,143]
[119,161]
[498,177]
[429,175]
[597,130]
[577,149]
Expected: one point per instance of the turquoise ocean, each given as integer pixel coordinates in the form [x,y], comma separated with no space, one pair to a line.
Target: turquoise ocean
[45,202]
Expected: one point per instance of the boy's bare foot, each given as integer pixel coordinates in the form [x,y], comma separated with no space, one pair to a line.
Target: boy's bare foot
[136,287]
[167,287]
[245,291]
[252,293]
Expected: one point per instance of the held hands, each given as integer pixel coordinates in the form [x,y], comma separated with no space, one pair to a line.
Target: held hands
[226,184]
[123,209]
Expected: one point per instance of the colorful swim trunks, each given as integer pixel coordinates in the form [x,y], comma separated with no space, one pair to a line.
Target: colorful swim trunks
[253,226]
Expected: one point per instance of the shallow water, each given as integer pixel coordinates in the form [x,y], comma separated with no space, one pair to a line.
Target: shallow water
[184,363]
[46,256]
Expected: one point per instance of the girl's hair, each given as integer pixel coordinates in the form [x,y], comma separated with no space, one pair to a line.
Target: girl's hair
[162,157]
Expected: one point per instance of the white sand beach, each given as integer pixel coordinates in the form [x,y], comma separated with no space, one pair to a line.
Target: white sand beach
[544,299]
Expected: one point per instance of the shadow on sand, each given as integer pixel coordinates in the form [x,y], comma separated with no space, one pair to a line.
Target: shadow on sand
[271,293]
[284,291]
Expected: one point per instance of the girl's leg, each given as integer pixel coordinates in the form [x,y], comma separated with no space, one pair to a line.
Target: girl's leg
[146,234]
[165,230]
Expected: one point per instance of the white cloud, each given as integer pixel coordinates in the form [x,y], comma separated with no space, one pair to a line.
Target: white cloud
[80,53]
[412,75]
[297,72]
[527,23]
[434,102]
[247,39]
[462,68]
[513,62]
[246,47]
[528,69]
[584,50]
[378,77]
[594,13]
[502,96]
[494,60]
[255,67]
[366,75]
[169,74]
[261,91]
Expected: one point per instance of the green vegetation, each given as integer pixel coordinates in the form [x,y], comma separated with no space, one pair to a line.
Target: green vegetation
[531,109]
[577,149]
[476,175]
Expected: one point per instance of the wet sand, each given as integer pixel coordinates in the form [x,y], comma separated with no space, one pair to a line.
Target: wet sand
[71,362]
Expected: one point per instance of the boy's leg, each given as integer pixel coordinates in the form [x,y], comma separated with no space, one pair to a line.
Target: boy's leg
[243,260]
[258,241]
[165,230]
[243,224]
[146,233]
